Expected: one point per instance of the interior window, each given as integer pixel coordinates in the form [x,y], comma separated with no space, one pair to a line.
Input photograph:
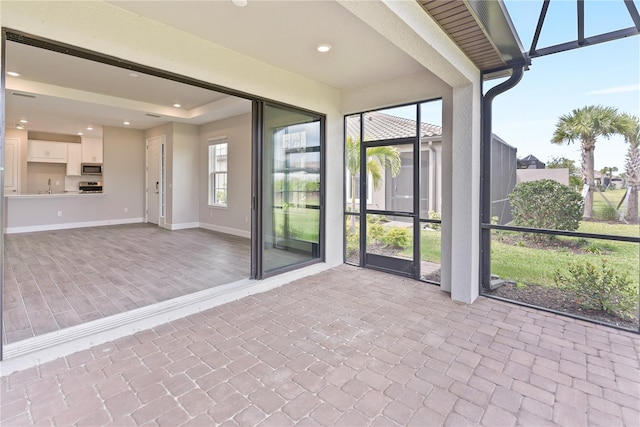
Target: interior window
[218,173]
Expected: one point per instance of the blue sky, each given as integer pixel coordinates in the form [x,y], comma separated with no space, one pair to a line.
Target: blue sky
[606,74]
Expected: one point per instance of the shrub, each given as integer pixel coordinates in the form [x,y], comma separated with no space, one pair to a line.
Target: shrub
[353,244]
[599,288]
[597,248]
[375,231]
[376,219]
[546,204]
[397,237]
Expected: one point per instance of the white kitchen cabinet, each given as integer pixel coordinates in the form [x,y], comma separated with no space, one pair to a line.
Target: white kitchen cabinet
[74,159]
[11,152]
[91,150]
[47,152]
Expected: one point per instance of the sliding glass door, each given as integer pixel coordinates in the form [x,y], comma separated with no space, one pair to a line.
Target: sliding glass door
[288,230]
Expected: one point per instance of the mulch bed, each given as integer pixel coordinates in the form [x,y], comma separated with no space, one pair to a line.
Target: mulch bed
[551,297]
[554,299]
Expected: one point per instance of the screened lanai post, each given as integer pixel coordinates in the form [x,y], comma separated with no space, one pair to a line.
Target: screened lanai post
[485,178]
[3,44]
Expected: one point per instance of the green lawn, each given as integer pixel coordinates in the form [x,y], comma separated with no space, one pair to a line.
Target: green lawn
[601,207]
[526,264]
[530,265]
[430,246]
[304,224]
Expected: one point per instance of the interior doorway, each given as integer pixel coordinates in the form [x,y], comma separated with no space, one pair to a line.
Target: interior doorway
[155,181]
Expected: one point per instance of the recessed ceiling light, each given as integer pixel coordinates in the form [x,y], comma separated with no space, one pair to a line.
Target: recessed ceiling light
[126,123]
[89,128]
[19,126]
[23,121]
[13,74]
[79,133]
[323,48]
[177,105]
[239,3]
[133,75]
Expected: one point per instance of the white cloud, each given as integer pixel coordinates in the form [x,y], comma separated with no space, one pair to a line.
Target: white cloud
[615,89]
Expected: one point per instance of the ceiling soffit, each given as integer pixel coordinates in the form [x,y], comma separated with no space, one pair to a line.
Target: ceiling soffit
[462,21]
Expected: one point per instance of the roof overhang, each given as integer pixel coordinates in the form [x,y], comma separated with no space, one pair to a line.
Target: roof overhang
[484,32]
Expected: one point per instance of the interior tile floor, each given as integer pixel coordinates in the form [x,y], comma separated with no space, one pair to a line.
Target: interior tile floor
[347,347]
[57,279]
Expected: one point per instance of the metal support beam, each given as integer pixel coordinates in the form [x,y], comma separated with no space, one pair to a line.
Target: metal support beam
[588,41]
[536,35]
[633,11]
[581,40]
[580,4]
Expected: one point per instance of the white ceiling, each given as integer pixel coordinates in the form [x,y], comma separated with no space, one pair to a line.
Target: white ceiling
[285,34]
[73,93]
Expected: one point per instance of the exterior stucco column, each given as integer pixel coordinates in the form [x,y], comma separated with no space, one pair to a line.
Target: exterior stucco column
[465,193]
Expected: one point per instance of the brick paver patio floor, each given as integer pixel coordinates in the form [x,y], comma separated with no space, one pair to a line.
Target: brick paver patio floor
[347,347]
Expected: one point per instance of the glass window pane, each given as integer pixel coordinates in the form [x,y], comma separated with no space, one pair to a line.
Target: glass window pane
[431,118]
[217,193]
[390,236]
[391,170]
[430,252]
[352,233]
[398,122]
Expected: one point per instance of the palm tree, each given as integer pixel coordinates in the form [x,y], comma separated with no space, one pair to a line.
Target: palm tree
[630,128]
[378,159]
[586,125]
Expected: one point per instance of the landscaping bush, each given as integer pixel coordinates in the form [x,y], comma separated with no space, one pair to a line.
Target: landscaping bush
[599,288]
[546,204]
[375,231]
[397,237]
[353,244]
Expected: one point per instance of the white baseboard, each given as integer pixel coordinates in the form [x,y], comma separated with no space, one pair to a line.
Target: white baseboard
[68,225]
[43,348]
[181,226]
[226,230]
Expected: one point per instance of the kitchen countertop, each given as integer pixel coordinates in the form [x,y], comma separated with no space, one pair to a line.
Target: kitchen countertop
[65,194]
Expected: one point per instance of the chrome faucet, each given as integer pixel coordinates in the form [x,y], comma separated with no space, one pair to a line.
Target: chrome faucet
[49,184]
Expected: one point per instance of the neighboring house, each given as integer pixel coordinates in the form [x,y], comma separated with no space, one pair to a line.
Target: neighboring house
[382,126]
[530,162]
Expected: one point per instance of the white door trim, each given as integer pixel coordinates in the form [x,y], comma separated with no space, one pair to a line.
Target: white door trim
[161,140]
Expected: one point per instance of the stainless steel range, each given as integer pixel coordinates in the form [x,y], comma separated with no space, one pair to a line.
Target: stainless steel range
[90,187]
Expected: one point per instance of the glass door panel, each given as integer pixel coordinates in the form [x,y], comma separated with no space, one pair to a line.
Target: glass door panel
[290,188]
[390,213]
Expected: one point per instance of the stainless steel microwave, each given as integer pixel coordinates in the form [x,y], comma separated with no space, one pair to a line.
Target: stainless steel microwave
[91,169]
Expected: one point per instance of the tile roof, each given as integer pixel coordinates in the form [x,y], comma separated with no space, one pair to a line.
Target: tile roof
[379,126]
